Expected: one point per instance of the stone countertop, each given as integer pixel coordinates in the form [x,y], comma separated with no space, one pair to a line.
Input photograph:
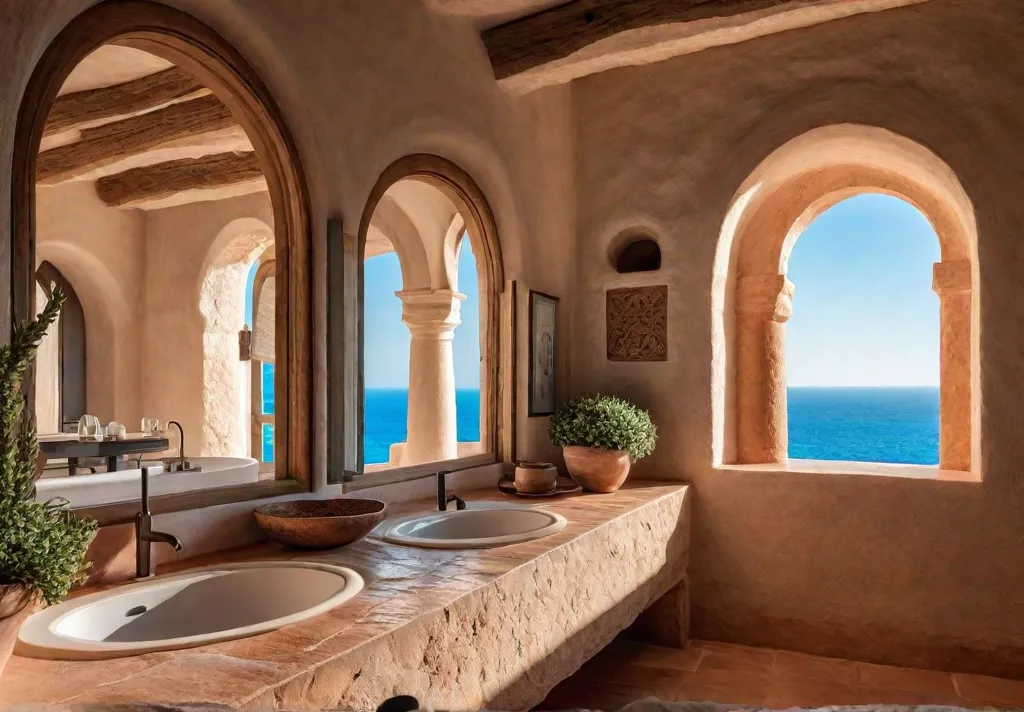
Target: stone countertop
[460,629]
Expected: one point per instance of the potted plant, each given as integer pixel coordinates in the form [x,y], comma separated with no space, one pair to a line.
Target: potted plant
[600,437]
[42,544]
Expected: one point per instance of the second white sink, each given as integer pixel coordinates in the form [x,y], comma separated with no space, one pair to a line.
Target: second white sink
[480,526]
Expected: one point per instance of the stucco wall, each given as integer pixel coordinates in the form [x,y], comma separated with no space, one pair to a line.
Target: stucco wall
[895,570]
[197,262]
[101,252]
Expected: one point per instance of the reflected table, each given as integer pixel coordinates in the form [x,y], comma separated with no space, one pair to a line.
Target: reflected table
[113,451]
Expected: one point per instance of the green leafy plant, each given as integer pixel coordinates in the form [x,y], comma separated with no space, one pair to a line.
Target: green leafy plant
[42,544]
[604,422]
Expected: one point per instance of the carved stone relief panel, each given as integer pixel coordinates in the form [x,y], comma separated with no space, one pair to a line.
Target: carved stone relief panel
[637,323]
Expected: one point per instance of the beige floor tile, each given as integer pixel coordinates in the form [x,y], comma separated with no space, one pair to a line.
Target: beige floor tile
[898,678]
[990,690]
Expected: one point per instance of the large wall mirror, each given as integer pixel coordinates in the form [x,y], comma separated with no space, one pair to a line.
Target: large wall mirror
[169,208]
[427,394]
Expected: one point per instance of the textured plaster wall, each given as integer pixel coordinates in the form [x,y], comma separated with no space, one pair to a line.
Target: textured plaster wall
[197,262]
[904,571]
[101,252]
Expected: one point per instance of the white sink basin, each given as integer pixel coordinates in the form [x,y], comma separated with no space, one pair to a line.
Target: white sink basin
[185,610]
[474,528]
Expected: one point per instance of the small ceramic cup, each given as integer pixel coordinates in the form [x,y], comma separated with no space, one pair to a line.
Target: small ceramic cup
[535,477]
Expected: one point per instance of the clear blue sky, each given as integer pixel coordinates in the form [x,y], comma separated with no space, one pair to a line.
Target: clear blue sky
[864,313]
[386,353]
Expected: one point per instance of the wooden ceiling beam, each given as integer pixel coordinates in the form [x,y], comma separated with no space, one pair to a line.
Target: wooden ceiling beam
[109,143]
[162,180]
[581,37]
[554,34]
[142,94]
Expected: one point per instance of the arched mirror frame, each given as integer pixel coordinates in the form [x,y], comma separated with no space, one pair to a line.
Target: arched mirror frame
[190,44]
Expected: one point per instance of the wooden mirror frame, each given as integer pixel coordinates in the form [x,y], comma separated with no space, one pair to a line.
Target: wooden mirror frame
[193,46]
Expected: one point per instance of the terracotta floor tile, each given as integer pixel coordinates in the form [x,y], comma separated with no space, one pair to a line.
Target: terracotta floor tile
[656,656]
[794,691]
[725,687]
[722,656]
[898,678]
[811,666]
[990,690]
[659,682]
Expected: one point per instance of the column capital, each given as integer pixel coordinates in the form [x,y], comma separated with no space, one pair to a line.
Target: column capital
[951,277]
[765,295]
[431,313]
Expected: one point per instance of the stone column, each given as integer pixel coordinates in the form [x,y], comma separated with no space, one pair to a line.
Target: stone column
[763,305]
[431,316]
[952,282]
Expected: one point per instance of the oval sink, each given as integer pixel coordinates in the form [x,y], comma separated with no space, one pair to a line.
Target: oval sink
[474,528]
[185,610]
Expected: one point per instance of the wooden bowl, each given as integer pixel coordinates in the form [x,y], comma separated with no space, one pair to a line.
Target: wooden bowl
[320,523]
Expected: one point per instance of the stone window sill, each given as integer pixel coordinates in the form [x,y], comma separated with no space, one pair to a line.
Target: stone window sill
[870,469]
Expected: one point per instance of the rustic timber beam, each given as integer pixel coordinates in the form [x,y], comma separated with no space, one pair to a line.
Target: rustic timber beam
[557,33]
[109,143]
[142,94]
[581,37]
[162,180]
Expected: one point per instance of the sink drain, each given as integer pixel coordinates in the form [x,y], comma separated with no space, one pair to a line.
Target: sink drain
[137,611]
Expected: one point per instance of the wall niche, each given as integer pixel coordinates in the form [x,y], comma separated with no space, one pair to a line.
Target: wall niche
[637,254]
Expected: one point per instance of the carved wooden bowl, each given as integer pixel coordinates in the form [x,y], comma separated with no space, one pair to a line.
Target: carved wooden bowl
[320,523]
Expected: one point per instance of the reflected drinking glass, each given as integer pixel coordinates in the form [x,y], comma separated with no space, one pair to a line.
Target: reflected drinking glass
[150,427]
[89,428]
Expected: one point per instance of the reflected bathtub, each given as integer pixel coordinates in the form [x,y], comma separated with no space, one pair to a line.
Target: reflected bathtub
[125,485]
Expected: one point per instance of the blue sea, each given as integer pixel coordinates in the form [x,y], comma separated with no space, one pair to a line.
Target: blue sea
[897,425]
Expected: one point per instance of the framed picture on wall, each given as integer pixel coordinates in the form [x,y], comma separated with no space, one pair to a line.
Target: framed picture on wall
[543,323]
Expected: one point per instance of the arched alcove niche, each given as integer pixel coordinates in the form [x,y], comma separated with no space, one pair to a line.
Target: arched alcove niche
[189,44]
[752,298]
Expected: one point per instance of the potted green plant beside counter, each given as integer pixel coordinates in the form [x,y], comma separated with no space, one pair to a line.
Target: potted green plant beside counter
[42,544]
[601,436]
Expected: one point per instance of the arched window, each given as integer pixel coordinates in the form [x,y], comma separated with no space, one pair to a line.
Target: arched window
[60,364]
[753,295]
[862,345]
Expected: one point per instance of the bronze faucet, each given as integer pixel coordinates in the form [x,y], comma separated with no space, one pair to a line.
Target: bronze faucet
[144,534]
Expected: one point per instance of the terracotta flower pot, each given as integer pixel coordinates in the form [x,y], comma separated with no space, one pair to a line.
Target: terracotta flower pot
[17,602]
[597,470]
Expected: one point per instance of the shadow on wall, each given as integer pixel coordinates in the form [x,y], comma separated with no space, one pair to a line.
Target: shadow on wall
[110,381]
